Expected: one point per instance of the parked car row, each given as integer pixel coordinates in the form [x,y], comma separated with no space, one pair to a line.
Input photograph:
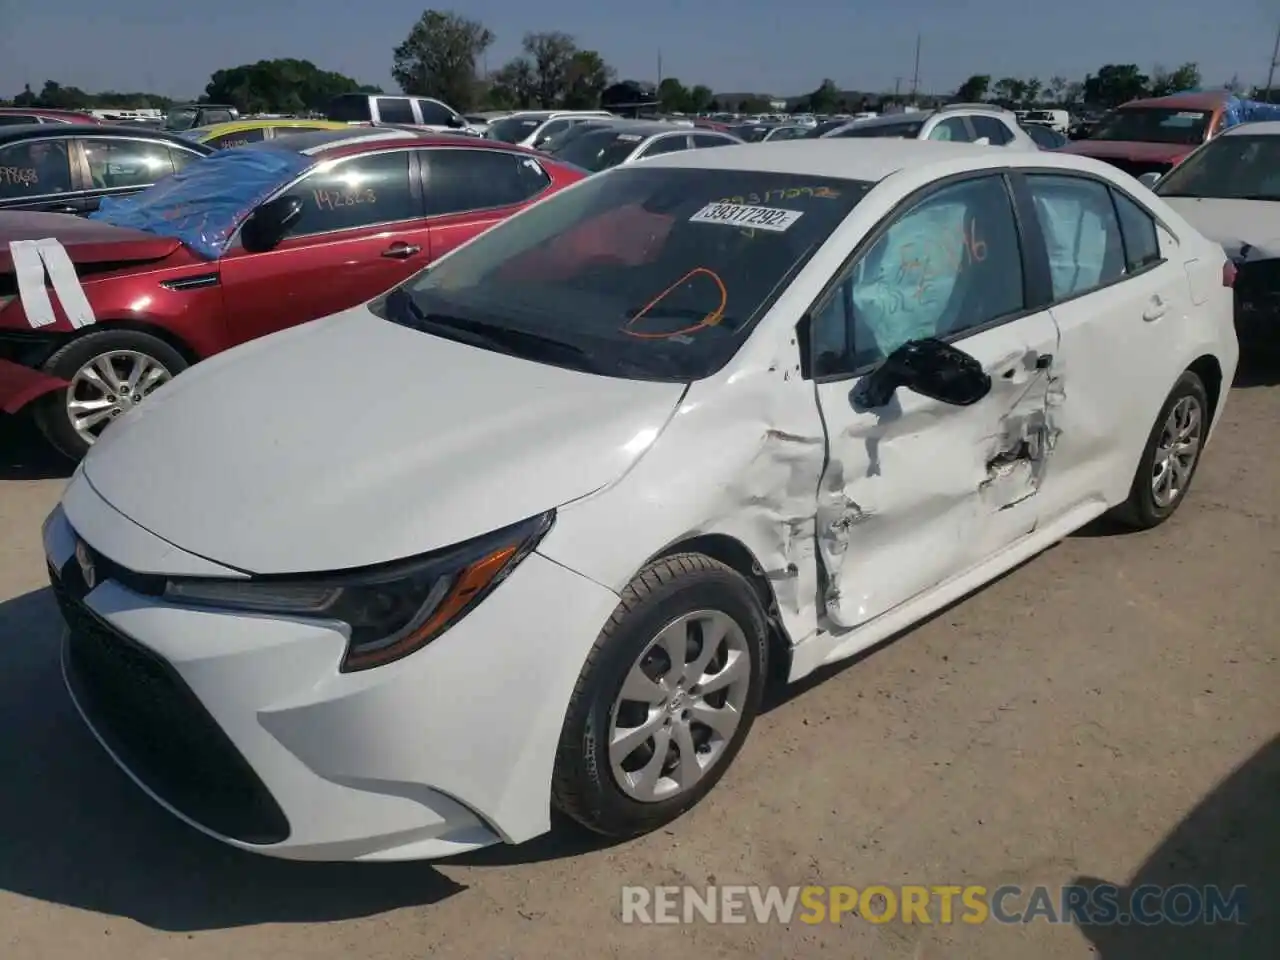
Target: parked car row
[530,529]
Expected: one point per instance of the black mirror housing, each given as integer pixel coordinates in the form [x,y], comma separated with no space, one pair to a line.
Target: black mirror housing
[931,368]
[268,224]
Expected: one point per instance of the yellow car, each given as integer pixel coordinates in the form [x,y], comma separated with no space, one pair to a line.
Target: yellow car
[239,132]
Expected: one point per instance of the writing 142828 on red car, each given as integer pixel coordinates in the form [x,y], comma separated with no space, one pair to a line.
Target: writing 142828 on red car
[94,315]
[532,528]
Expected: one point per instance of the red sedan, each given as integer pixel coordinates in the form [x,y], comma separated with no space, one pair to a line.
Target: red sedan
[10,116]
[236,246]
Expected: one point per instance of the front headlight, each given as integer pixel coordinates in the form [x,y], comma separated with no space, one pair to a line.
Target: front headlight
[391,610]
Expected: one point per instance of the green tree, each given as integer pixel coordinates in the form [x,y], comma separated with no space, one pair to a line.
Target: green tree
[438,57]
[26,98]
[514,85]
[755,104]
[672,96]
[974,89]
[1031,91]
[825,99]
[1055,88]
[586,79]
[278,86]
[1114,84]
[701,99]
[551,54]
[1009,91]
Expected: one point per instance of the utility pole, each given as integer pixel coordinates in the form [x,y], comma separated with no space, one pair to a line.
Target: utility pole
[659,68]
[1275,61]
[915,77]
[897,88]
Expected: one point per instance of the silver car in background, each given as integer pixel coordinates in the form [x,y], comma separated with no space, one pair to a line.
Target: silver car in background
[613,144]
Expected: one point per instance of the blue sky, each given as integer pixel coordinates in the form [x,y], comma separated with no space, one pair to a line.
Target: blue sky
[776,46]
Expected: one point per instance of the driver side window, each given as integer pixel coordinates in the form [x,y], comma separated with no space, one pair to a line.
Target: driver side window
[948,264]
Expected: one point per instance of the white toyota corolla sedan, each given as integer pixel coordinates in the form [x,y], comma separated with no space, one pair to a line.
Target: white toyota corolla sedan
[532,530]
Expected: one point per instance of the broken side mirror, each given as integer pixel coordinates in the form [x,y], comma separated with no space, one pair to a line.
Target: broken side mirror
[267,225]
[931,368]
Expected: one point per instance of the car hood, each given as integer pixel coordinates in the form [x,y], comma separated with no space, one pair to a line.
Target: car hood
[86,241]
[1248,228]
[1128,150]
[351,441]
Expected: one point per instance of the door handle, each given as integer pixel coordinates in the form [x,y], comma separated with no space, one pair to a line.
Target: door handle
[1044,361]
[1155,310]
[401,251]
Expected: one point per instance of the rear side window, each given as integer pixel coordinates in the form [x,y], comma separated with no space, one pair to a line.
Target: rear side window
[991,128]
[434,114]
[238,139]
[704,140]
[1080,231]
[358,192]
[458,181]
[395,110]
[349,109]
[13,120]
[34,169]
[1141,244]
[181,158]
[126,163]
[903,131]
[674,144]
[952,128]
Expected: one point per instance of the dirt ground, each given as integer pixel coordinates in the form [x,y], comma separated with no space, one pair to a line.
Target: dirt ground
[1107,711]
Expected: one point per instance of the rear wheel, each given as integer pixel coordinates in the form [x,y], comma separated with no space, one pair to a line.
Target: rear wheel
[666,698]
[109,373]
[1170,457]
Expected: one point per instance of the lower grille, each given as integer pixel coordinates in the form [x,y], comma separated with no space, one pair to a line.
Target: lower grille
[160,730]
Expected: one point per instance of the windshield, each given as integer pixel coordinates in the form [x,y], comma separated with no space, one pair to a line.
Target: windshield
[556,141]
[906,131]
[1235,167]
[598,149]
[1153,125]
[181,118]
[513,129]
[204,202]
[646,273]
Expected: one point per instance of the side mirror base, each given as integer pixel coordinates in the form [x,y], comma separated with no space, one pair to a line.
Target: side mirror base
[929,367]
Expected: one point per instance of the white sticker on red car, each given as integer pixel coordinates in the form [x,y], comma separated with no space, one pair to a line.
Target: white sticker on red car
[32,260]
[29,267]
[774,219]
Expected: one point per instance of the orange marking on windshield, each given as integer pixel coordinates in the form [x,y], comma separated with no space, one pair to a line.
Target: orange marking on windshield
[710,320]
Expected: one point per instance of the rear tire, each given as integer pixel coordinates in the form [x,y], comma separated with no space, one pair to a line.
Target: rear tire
[1168,461]
[630,762]
[100,366]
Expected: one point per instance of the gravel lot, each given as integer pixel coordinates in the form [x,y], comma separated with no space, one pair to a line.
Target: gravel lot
[1077,719]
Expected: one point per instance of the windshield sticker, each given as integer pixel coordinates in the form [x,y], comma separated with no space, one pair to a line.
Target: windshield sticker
[708,320]
[630,137]
[1190,115]
[773,219]
[19,176]
[792,193]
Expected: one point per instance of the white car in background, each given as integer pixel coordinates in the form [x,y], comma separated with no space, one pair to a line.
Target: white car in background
[574,491]
[533,128]
[1229,190]
[981,124]
[613,144]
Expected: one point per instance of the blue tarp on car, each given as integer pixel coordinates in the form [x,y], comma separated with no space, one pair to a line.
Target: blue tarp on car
[204,203]
[1238,110]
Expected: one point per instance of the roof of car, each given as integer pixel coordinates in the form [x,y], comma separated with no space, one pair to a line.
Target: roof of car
[870,159]
[241,126]
[1209,100]
[24,131]
[361,139]
[1263,128]
[646,128]
[46,112]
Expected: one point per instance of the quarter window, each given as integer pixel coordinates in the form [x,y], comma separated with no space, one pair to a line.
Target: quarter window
[114,164]
[1080,231]
[1141,244]
[703,140]
[672,144]
[358,192]
[395,110]
[15,119]
[462,180]
[997,133]
[434,114]
[949,264]
[34,168]
[181,158]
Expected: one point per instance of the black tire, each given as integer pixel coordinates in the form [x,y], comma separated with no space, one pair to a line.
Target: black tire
[1140,511]
[50,411]
[583,786]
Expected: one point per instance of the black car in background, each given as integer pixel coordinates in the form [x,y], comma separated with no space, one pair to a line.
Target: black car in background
[1045,138]
[69,168]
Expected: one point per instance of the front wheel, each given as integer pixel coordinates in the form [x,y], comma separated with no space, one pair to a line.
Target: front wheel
[1170,457]
[666,698]
[108,374]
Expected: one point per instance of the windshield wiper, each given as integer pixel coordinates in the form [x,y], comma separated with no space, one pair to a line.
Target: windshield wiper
[490,336]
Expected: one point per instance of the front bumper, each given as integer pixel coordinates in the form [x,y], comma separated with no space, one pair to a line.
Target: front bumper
[242,726]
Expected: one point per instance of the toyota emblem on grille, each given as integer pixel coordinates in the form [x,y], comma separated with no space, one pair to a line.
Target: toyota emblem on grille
[85,559]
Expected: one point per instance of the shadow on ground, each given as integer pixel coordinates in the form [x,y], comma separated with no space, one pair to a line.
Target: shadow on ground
[26,455]
[74,830]
[1232,838]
